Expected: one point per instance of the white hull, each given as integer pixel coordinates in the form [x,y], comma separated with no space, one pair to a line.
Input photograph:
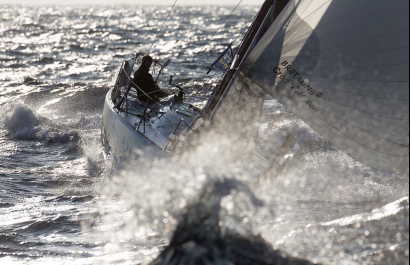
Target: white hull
[123,141]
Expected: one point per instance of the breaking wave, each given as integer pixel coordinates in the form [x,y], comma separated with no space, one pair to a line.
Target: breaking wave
[22,123]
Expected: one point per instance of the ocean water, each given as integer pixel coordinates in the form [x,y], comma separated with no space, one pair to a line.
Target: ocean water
[61,202]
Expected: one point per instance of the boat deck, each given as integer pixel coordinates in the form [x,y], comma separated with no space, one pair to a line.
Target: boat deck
[161,122]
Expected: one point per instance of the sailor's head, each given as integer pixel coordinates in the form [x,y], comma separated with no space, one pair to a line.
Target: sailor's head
[147,61]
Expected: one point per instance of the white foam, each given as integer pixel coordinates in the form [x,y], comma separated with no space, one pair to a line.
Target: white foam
[147,198]
[377,214]
[23,123]
[20,121]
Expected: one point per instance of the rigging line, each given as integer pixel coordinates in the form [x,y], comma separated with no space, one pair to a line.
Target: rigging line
[314,124]
[335,19]
[209,41]
[389,140]
[356,79]
[290,15]
[203,77]
[158,134]
[135,108]
[354,28]
[138,88]
[151,92]
[203,86]
[334,129]
[361,66]
[362,145]
[367,112]
[156,38]
[196,82]
[347,56]
[348,44]
[236,38]
[245,28]
[319,52]
[363,95]
[294,25]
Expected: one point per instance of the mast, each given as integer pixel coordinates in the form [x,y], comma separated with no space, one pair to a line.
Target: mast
[241,54]
[279,6]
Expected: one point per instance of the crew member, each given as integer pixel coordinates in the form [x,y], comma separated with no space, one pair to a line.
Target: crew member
[147,89]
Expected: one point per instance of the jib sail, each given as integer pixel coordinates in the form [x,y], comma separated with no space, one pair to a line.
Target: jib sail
[343,67]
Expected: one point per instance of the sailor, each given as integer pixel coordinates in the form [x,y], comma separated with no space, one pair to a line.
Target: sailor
[147,89]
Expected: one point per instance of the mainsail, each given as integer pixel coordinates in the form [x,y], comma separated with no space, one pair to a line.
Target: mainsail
[342,66]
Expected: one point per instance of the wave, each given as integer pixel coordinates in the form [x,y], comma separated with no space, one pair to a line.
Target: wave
[17,65]
[22,123]
[78,98]
[20,54]
[90,99]
[31,81]
[377,237]
[76,48]
[6,205]
[58,223]
[392,210]
[44,61]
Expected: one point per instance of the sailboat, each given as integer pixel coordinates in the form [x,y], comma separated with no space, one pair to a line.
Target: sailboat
[341,66]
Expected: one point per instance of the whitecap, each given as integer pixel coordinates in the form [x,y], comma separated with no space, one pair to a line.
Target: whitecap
[22,123]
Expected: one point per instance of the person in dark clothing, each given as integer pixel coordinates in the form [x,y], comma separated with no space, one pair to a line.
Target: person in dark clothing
[147,89]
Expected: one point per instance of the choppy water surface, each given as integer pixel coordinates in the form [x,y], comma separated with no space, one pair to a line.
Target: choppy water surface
[60,203]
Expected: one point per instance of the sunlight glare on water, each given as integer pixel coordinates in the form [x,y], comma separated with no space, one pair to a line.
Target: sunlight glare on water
[61,202]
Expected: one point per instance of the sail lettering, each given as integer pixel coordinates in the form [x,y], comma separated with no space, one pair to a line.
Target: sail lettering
[295,82]
[223,63]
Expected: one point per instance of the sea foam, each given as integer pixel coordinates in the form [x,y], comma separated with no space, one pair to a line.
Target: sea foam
[22,123]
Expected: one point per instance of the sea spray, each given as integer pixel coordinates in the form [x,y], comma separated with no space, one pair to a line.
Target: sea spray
[201,237]
[145,203]
[22,123]
[147,199]
[90,135]
[320,171]
[192,217]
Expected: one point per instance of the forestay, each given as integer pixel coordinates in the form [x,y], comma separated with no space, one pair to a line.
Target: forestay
[343,67]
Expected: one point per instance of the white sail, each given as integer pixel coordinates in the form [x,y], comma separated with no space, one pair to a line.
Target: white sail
[343,67]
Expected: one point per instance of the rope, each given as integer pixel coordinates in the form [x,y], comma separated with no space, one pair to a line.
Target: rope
[209,41]
[245,28]
[212,77]
[203,77]
[156,38]
[155,101]
[136,86]
[203,86]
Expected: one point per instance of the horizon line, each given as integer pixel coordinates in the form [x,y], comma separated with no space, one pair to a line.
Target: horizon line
[117,4]
[121,4]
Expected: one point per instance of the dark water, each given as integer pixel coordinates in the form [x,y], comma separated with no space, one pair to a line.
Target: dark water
[61,203]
